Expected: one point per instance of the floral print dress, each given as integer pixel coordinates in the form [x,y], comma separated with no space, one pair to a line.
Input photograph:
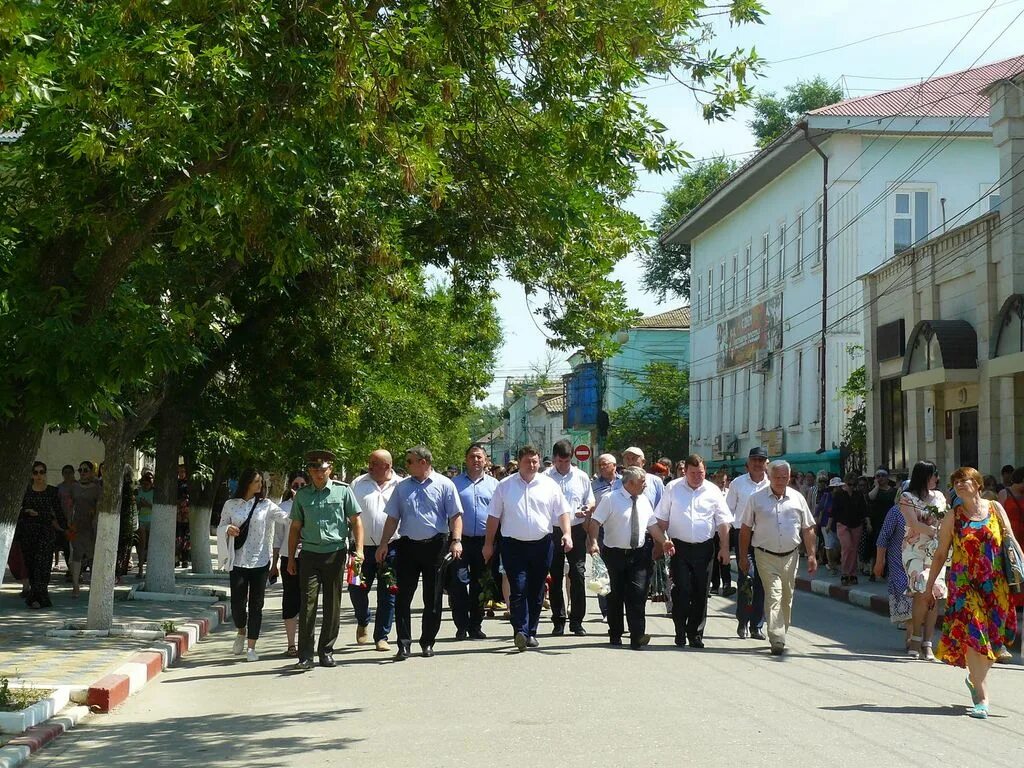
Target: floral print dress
[918,549]
[978,614]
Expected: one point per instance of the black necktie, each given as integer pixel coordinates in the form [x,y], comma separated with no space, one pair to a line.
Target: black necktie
[634,526]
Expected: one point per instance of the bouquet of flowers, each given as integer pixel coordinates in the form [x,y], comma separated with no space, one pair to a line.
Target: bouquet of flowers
[598,581]
[935,513]
[388,579]
[490,592]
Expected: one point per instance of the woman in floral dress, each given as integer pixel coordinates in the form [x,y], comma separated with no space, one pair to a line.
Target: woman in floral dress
[979,617]
[923,508]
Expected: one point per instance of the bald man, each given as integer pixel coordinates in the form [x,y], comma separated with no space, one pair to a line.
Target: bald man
[372,492]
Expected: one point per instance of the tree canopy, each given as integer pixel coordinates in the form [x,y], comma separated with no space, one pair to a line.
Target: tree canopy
[774,114]
[657,420]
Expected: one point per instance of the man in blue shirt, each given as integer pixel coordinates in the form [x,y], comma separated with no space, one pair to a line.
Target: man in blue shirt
[634,457]
[424,508]
[475,489]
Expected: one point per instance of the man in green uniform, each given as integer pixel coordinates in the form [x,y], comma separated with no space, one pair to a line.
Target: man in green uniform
[323,515]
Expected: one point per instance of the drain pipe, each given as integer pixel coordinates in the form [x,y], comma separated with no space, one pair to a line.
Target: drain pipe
[824,277]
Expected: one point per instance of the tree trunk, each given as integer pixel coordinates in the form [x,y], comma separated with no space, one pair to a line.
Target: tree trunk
[169,439]
[116,445]
[19,444]
[199,518]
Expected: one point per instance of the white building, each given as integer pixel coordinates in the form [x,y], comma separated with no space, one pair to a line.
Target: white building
[897,167]
[944,335]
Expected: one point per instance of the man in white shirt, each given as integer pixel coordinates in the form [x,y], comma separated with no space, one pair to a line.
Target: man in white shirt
[691,511]
[526,505]
[773,521]
[625,516]
[750,604]
[372,492]
[576,488]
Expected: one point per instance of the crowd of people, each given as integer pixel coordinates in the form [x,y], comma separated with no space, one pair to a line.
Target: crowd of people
[515,538]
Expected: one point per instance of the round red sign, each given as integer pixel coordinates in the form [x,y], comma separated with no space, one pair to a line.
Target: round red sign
[582,452]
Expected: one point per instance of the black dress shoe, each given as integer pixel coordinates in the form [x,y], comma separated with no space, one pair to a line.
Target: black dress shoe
[557,631]
[578,631]
[427,652]
[729,591]
[461,634]
[403,653]
[741,631]
[640,643]
[614,641]
[327,660]
[680,642]
[303,665]
[696,642]
[477,634]
[757,634]
[532,642]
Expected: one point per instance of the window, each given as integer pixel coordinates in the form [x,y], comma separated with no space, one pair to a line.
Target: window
[779,370]
[721,286]
[711,293]
[746,270]
[994,201]
[735,277]
[728,410]
[818,229]
[743,395]
[708,403]
[782,250]
[798,375]
[909,219]
[761,400]
[799,257]
[720,405]
[695,411]
[894,414]
[764,260]
[818,383]
[697,297]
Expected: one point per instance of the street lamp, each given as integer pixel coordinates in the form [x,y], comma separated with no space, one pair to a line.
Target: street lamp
[622,337]
[540,393]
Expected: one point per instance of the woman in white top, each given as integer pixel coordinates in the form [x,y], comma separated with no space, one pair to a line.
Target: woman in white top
[250,518]
[291,600]
[923,508]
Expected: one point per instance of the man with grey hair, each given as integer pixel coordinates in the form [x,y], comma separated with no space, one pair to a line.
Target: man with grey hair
[625,516]
[424,508]
[773,521]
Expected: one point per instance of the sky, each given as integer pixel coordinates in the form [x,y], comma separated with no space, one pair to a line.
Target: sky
[986,31]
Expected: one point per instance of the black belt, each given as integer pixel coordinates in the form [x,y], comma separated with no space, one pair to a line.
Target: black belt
[779,554]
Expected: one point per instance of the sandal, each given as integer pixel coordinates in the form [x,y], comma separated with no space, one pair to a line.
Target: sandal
[292,651]
[973,690]
[915,652]
[926,651]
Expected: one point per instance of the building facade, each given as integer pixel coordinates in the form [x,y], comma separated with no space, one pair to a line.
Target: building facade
[944,331]
[833,198]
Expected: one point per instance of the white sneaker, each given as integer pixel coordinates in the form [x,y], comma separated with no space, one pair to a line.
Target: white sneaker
[239,645]
[250,655]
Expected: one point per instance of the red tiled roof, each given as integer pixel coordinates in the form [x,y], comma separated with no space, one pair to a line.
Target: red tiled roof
[955,95]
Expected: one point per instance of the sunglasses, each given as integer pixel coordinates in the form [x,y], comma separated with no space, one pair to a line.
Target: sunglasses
[84,469]
[38,471]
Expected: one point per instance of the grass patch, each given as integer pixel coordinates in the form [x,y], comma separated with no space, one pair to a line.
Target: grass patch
[16,699]
[169,626]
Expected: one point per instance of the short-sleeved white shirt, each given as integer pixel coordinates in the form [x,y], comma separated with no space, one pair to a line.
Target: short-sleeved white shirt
[777,521]
[740,490]
[614,513]
[372,499]
[693,514]
[576,487]
[528,511]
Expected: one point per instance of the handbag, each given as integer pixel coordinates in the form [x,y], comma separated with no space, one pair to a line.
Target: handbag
[1013,557]
[243,529]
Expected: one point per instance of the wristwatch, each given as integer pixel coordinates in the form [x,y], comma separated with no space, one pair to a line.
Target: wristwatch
[456,541]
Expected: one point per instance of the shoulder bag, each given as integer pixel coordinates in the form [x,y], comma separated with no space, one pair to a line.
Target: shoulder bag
[243,529]
[1013,557]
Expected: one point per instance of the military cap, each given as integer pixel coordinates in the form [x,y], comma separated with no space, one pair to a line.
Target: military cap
[319,459]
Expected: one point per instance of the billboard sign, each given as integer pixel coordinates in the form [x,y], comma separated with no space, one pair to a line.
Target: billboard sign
[757,328]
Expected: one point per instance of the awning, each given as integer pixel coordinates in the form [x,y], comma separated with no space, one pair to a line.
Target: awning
[940,352]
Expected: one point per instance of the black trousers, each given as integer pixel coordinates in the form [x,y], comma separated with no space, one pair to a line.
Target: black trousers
[722,574]
[464,584]
[37,553]
[291,591]
[248,589]
[577,578]
[691,571]
[629,571]
[320,570]
[416,559]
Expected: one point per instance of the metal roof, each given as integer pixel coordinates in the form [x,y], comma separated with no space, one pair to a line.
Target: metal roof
[673,319]
[954,95]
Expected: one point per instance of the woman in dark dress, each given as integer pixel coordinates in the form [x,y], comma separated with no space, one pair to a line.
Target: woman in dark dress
[127,537]
[38,525]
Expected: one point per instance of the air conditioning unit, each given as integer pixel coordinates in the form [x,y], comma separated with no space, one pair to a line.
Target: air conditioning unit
[730,444]
[716,444]
[762,361]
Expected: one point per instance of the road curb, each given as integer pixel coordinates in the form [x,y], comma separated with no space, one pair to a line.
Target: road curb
[114,689]
[860,597]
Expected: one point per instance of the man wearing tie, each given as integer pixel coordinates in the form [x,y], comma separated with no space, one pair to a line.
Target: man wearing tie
[475,489]
[424,508]
[625,515]
[691,511]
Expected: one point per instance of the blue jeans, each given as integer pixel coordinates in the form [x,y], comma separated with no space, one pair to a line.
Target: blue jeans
[526,564]
[385,600]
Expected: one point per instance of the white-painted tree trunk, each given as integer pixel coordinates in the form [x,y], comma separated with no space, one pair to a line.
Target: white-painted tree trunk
[104,562]
[199,531]
[160,562]
[6,540]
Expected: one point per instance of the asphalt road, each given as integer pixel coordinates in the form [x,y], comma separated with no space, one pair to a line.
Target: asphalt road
[844,695]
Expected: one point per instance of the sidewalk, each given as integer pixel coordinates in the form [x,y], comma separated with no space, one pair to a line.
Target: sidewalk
[872,595]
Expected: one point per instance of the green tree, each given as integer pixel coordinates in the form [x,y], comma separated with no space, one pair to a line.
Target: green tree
[169,150]
[774,115]
[667,267]
[854,394]
[656,420]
